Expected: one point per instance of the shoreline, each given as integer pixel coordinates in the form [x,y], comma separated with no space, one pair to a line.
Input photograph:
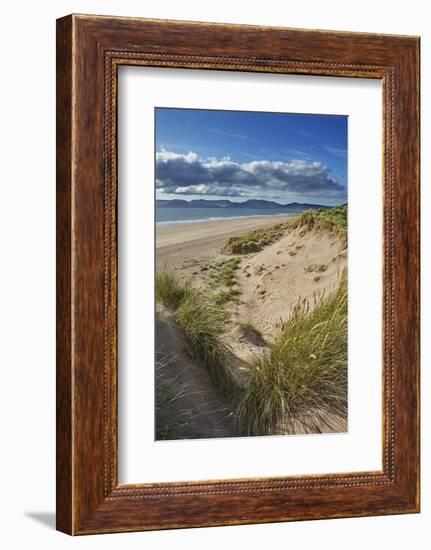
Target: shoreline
[169,223]
[183,233]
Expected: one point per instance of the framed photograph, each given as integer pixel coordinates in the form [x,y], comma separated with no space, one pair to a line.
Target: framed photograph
[237,274]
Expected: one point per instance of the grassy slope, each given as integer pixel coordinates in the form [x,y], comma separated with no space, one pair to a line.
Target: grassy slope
[303,376]
[333,220]
[203,323]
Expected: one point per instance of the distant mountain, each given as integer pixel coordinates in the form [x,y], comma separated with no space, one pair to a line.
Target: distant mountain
[249,204]
[255,203]
[196,203]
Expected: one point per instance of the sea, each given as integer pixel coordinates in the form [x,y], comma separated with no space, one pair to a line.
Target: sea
[171,216]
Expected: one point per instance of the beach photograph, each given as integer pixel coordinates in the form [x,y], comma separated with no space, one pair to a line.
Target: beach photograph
[251,283]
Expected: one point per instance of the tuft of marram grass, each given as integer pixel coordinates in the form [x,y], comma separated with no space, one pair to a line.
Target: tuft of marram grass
[255,240]
[224,272]
[224,296]
[333,220]
[203,323]
[170,291]
[303,377]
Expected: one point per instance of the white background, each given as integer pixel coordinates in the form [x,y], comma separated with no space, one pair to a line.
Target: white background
[27,122]
[141,458]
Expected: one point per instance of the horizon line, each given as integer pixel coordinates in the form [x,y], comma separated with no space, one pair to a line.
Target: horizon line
[246,200]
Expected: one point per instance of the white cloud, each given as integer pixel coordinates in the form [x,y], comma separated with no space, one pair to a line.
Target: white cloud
[190,175]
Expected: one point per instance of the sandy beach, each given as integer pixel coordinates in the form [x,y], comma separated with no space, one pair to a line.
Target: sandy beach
[175,243]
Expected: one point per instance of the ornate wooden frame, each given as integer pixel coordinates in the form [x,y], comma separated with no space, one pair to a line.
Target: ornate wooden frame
[89,51]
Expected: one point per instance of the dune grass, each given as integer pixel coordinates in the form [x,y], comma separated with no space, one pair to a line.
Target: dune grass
[303,376]
[224,296]
[169,291]
[169,393]
[203,323]
[255,240]
[222,278]
[224,272]
[333,220]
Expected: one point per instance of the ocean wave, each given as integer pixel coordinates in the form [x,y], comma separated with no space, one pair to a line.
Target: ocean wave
[215,218]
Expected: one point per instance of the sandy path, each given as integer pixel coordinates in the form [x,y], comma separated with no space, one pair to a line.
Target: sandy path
[209,412]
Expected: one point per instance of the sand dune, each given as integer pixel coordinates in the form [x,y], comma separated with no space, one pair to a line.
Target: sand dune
[270,282]
[302,264]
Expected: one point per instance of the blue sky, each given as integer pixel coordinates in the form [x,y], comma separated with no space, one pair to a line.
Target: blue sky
[241,155]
